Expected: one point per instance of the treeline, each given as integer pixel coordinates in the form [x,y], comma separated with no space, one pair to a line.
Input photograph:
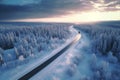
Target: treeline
[104,38]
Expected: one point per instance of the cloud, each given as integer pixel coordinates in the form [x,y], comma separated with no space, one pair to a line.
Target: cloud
[106,5]
[19,2]
[51,8]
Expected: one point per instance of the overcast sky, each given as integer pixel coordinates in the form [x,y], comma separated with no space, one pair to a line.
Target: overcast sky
[41,9]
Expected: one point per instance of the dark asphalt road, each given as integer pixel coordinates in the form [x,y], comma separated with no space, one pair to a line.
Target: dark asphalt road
[47,62]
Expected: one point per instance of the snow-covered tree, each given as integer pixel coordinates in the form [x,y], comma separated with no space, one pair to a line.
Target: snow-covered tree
[1,56]
[16,52]
[30,39]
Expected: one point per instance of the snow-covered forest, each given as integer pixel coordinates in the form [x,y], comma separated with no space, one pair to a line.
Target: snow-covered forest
[19,42]
[96,56]
[103,50]
[105,37]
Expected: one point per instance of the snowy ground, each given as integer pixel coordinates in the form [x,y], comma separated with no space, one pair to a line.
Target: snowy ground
[17,72]
[80,63]
[67,65]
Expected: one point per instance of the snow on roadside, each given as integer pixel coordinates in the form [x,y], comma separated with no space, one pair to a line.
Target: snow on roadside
[79,63]
[68,65]
[19,71]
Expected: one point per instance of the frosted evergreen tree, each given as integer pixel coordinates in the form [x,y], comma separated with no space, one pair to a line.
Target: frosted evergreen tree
[16,52]
[1,56]
[115,46]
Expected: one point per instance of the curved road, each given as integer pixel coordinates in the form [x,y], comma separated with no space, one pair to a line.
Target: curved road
[50,60]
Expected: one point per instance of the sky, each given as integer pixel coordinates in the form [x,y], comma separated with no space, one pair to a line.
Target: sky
[59,10]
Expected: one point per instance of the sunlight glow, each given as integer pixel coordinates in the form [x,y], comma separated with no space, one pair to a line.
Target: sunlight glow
[80,17]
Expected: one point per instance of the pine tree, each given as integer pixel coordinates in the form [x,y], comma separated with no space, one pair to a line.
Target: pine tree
[16,52]
[1,56]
